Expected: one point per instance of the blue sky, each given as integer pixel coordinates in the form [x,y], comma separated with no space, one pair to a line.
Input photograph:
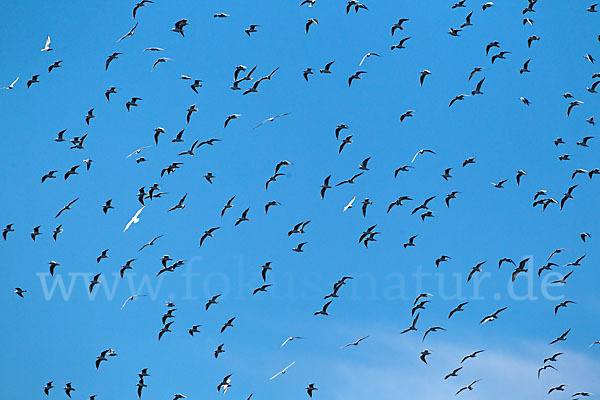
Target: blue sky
[56,337]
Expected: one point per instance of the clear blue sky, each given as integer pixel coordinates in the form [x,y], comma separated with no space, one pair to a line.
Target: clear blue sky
[57,338]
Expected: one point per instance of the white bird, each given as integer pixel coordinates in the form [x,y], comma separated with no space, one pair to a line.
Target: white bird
[134,220]
[131,298]
[12,85]
[367,56]
[138,151]
[349,205]
[47,46]
[290,339]
[282,371]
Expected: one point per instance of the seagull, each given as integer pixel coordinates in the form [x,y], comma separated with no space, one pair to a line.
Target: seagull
[34,79]
[489,46]
[48,386]
[164,330]
[36,232]
[367,56]
[355,343]
[325,186]
[153,49]
[47,45]
[398,25]
[150,243]
[140,4]
[413,326]
[298,248]
[160,60]
[500,56]
[310,388]
[433,329]
[309,22]
[572,105]
[89,116]
[12,85]
[208,233]
[410,242]
[563,304]
[478,88]
[559,388]
[219,349]
[472,355]
[67,207]
[194,329]
[58,230]
[424,354]
[407,114]
[212,300]
[347,140]
[493,316]
[544,368]
[68,389]
[457,98]
[94,282]
[49,175]
[110,59]
[470,386]
[282,372]
[349,205]
[56,64]
[290,339]
[453,373]
[525,101]
[225,384]
[19,292]
[138,151]
[356,75]
[227,324]
[132,103]
[420,152]
[130,33]
[192,109]
[467,20]
[251,29]
[400,44]
[179,25]
[563,280]
[134,219]
[457,309]
[231,117]
[327,69]
[500,184]
[454,32]
[271,119]
[475,70]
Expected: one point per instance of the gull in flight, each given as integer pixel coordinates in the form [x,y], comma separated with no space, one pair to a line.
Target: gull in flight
[138,151]
[289,340]
[349,205]
[271,119]
[47,46]
[134,219]
[354,343]
[130,298]
[130,33]
[367,56]
[282,371]
[422,151]
[12,85]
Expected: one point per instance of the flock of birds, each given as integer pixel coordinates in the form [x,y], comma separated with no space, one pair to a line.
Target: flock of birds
[247,81]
